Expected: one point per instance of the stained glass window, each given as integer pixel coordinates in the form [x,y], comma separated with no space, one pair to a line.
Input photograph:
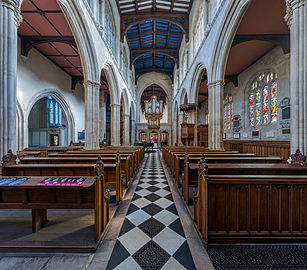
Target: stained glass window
[274,102]
[251,109]
[228,113]
[225,117]
[263,100]
[54,113]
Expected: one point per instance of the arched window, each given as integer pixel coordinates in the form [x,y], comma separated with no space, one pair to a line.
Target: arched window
[263,100]
[110,31]
[228,124]
[54,113]
[198,32]
[125,64]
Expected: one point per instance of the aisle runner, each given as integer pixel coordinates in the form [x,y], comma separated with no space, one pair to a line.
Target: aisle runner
[152,236]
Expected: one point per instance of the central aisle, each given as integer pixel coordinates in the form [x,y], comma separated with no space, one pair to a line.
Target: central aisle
[152,236]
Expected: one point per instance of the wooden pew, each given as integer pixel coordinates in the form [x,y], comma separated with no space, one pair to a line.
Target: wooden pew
[239,158]
[111,172]
[250,208]
[127,164]
[64,159]
[207,154]
[191,171]
[29,195]
[94,153]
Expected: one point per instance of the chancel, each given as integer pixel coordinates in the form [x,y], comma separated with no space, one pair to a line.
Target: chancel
[153,134]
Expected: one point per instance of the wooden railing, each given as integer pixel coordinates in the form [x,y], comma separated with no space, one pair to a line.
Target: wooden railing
[260,148]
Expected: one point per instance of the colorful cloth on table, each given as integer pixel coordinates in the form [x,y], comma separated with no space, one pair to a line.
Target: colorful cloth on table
[12,181]
[62,181]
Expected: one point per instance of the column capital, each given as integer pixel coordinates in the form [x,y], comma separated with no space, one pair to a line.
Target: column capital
[15,6]
[115,105]
[291,6]
[220,83]
[92,83]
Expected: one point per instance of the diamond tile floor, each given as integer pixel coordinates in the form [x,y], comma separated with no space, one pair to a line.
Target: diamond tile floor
[151,236]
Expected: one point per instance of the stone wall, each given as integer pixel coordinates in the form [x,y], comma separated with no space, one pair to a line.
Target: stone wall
[36,77]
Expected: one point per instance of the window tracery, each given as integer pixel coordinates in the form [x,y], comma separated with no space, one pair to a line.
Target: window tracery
[110,30]
[228,113]
[263,100]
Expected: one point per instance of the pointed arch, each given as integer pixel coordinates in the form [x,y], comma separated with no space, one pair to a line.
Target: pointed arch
[112,82]
[195,83]
[226,33]
[124,98]
[60,99]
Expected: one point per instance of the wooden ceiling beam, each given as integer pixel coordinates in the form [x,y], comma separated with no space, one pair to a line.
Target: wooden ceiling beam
[155,57]
[156,50]
[28,42]
[282,40]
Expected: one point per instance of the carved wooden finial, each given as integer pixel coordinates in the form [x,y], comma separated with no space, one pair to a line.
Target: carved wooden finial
[98,168]
[203,168]
[298,158]
[9,157]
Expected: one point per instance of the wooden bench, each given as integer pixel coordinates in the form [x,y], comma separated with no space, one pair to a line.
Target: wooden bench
[207,154]
[179,164]
[125,167]
[29,195]
[250,208]
[190,178]
[111,172]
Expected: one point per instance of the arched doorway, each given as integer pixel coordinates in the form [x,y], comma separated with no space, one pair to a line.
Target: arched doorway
[201,114]
[164,138]
[47,124]
[154,137]
[143,137]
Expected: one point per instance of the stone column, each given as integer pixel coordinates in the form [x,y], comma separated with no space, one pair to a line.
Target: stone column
[91,114]
[179,128]
[115,124]
[126,126]
[195,115]
[215,107]
[102,117]
[296,18]
[132,133]
[10,19]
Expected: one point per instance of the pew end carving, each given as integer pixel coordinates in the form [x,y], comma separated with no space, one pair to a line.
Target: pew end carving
[298,159]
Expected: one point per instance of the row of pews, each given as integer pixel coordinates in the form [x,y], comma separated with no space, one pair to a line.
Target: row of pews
[241,197]
[99,170]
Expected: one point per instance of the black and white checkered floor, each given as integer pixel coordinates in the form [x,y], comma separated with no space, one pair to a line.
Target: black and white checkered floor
[152,236]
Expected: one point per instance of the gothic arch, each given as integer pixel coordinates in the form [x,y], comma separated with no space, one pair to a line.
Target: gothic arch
[184,93]
[195,82]
[60,99]
[21,129]
[83,38]
[232,18]
[113,83]
[124,98]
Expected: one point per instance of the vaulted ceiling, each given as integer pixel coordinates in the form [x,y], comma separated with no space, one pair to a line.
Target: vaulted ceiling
[154,31]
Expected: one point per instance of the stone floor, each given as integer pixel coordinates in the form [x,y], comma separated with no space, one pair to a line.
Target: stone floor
[152,235]
[152,229]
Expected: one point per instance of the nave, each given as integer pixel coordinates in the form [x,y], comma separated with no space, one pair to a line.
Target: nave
[152,236]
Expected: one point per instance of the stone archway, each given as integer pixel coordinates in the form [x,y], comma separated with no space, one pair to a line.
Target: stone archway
[60,99]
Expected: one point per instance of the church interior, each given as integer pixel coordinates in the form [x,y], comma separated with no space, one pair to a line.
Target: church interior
[153,134]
